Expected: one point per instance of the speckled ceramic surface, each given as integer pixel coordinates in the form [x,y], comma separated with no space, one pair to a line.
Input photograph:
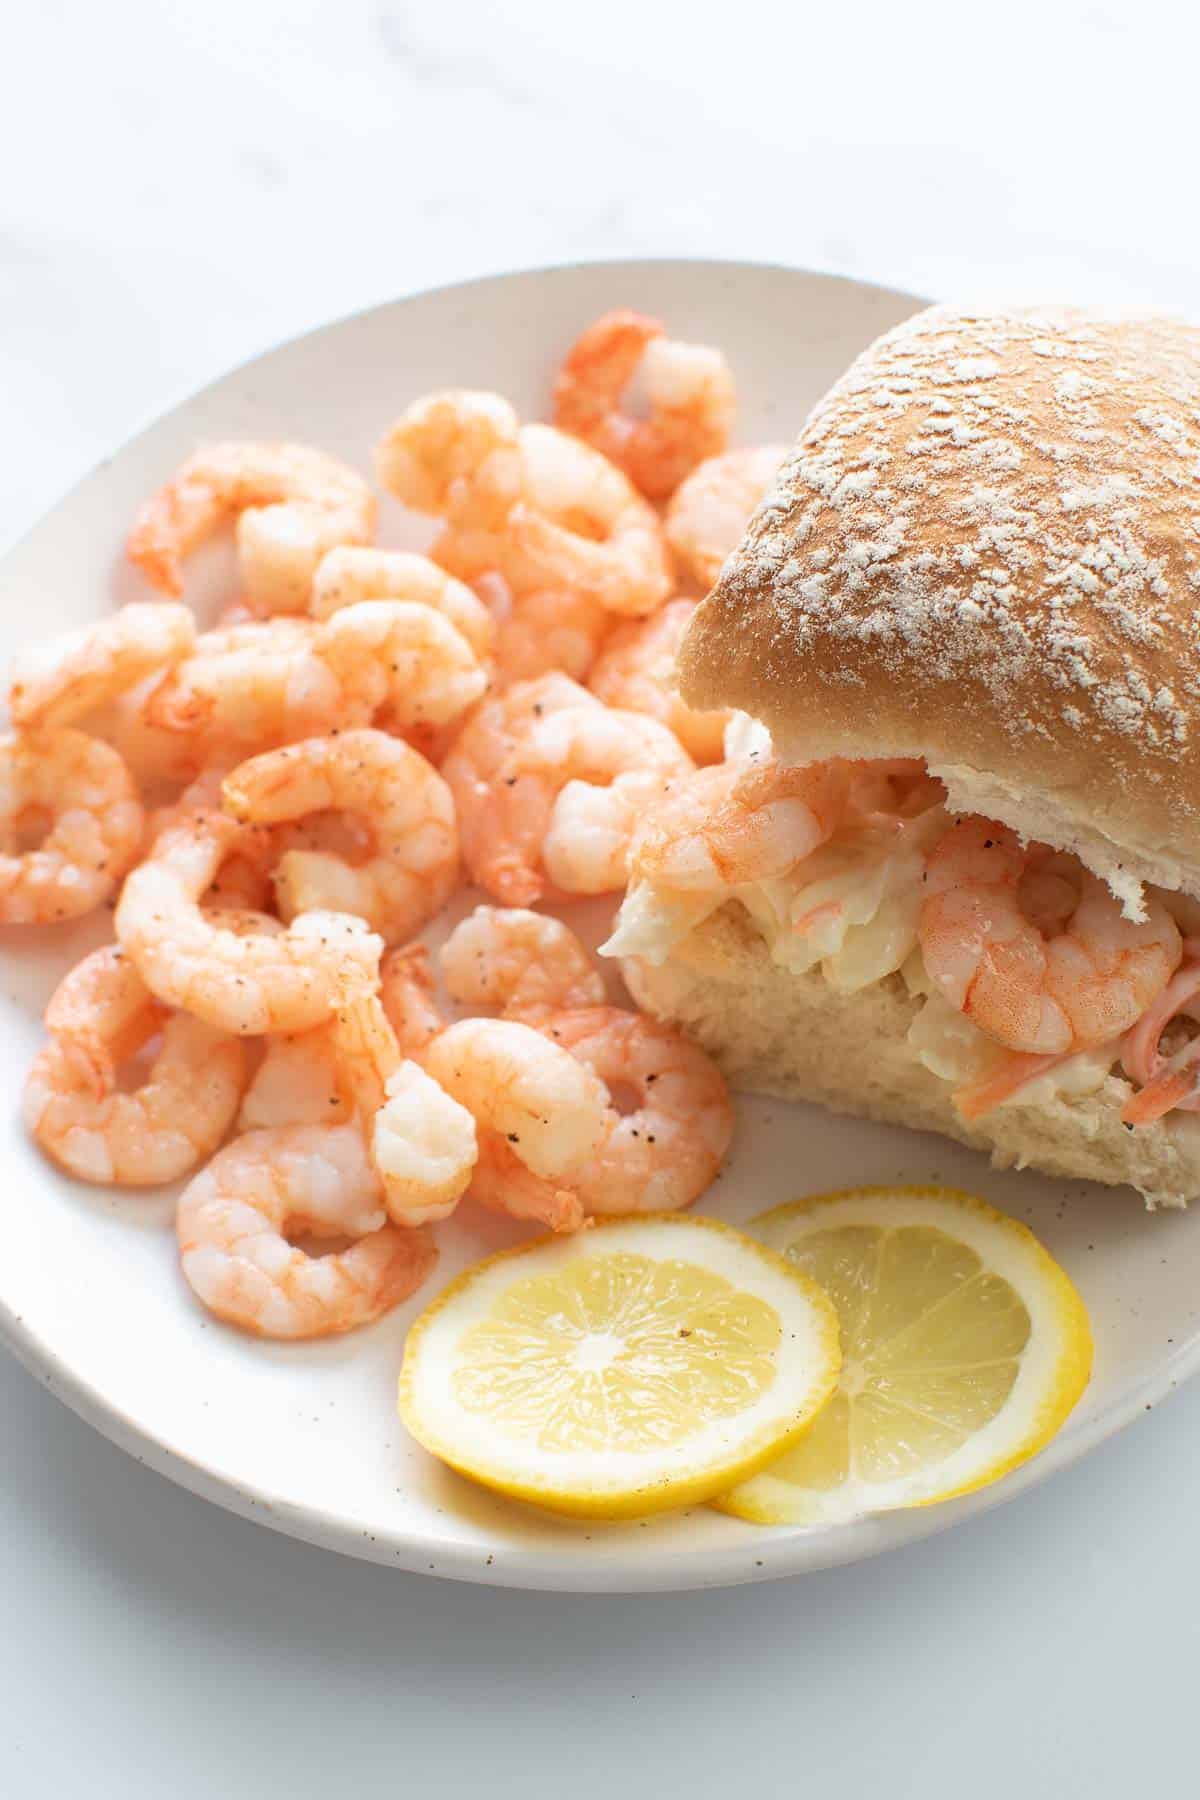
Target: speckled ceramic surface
[305,1437]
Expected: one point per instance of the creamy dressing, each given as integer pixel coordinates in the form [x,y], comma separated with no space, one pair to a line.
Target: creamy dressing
[851,911]
[852,907]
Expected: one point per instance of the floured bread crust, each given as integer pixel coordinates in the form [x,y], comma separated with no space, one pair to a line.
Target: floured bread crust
[774,1032]
[985,550]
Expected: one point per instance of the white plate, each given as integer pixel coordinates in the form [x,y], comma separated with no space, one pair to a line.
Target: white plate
[305,1438]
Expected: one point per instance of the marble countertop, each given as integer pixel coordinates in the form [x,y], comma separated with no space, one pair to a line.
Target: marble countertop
[189,184]
[186,185]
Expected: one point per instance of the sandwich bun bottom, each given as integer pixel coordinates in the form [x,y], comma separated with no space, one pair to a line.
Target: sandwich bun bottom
[796,1037]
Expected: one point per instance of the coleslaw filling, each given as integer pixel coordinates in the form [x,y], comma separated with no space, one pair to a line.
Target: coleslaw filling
[851,911]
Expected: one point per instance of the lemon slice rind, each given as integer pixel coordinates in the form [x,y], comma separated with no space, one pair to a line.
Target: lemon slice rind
[616,1482]
[1053,1373]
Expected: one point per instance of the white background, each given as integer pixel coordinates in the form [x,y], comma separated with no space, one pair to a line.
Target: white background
[182,186]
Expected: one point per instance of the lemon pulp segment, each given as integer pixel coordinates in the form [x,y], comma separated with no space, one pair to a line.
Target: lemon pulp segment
[964,1348]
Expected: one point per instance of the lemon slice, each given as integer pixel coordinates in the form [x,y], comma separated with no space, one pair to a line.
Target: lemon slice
[965,1347]
[636,1366]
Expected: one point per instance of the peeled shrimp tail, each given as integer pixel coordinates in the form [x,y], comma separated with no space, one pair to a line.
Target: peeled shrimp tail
[502,1183]
[409,998]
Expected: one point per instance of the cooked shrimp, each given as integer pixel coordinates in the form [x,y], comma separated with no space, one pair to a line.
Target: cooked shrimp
[1087,981]
[502,1182]
[599,770]
[262,685]
[350,575]
[425,1144]
[737,823]
[102,1005]
[586,846]
[292,504]
[311,1181]
[691,399]
[541,1100]
[288,981]
[296,1083]
[242,884]
[1013,1072]
[74,798]
[65,679]
[891,791]
[422,1142]
[254,686]
[636,672]
[366,1048]
[551,628]
[710,511]
[406,987]
[596,744]
[664,1153]
[540,629]
[159,760]
[517,962]
[99,1017]
[406,655]
[1167,1082]
[453,455]
[529,502]
[414,864]
[585,527]
[502,819]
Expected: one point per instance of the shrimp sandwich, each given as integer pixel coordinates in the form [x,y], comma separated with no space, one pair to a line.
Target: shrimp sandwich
[949,874]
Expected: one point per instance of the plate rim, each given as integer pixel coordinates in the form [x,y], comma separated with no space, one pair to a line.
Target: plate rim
[184,396]
[765,1553]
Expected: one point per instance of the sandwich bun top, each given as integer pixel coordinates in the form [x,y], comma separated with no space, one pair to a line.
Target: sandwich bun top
[985,550]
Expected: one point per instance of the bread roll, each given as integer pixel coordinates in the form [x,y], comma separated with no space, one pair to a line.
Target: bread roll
[985,550]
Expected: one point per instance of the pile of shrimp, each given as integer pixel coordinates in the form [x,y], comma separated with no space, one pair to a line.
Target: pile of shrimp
[284,808]
[280,802]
